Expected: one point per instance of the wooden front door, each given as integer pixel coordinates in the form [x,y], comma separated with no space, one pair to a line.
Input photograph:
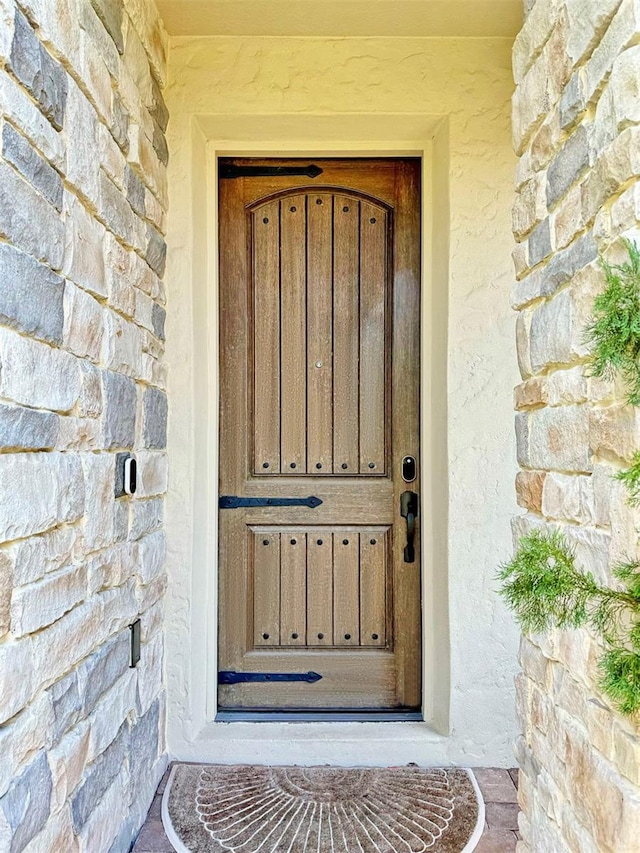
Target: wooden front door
[319,371]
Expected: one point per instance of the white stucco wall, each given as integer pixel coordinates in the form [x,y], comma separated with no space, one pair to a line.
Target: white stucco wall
[450,98]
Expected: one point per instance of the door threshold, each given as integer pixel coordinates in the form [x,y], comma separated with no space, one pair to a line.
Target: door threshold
[321,715]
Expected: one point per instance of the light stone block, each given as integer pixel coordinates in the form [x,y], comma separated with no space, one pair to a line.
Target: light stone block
[613,432]
[587,21]
[6,588]
[147,596]
[120,606]
[99,474]
[51,492]
[36,556]
[17,677]
[122,345]
[533,35]
[79,434]
[568,498]
[83,167]
[34,374]
[58,648]
[112,567]
[146,516]
[110,713]
[26,734]
[152,34]
[152,554]
[559,439]
[39,604]
[152,473]
[83,323]
[624,86]
[152,621]
[83,247]
[624,28]
[592,549]
[564,387]
[57,836]
[67,761]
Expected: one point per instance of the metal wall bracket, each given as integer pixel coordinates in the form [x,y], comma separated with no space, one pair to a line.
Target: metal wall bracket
[234,502]
[229,171]
[231,677]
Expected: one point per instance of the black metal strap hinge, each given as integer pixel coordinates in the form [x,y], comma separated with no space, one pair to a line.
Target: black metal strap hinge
[231,677]
[234,502]
[229,170]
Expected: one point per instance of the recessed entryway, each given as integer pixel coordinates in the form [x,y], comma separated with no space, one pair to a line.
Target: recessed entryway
[319,550]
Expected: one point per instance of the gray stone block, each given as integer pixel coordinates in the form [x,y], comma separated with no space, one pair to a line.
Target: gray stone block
[144,738]
[120,122]
[102,669]
[35,169]
[144,748]
[568,165]
[110,13]
[20,207]
[159,109]
[31,296]
[573,102]
[135,192]
[540,243]
[159,143]
[119,410]
[27,804]
[156,251]
[65,698]
[38,71]
[155,411]
[564,265]
[27,429]
[158,317]
[99,777]
[118,489]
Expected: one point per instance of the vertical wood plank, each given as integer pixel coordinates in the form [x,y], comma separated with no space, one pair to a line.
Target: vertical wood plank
[319,588]
[346,589]
[373,588]
[266,324]
[346,337]
[373,266]
[266,588]
[320,333]
[293,589]
[293,335]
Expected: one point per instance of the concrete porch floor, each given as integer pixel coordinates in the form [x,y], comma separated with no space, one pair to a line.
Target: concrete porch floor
[499,789]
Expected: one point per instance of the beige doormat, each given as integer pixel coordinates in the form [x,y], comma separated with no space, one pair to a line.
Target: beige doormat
[214,808]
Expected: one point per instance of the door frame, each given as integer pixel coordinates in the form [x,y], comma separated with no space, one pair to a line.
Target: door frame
[220,741]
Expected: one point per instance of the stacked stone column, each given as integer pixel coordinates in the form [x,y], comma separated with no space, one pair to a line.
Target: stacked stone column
[576,115]
[83,197]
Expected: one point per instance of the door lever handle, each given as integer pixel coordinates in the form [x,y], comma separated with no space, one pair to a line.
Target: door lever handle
[409,510]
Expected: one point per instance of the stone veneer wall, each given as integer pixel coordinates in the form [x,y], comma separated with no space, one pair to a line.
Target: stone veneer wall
[82,209]
[576,114]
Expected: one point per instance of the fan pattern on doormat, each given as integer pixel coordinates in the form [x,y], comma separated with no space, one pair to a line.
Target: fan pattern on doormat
[321,809]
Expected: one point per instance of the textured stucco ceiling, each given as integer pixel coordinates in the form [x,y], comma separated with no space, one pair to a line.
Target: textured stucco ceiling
[342,17]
